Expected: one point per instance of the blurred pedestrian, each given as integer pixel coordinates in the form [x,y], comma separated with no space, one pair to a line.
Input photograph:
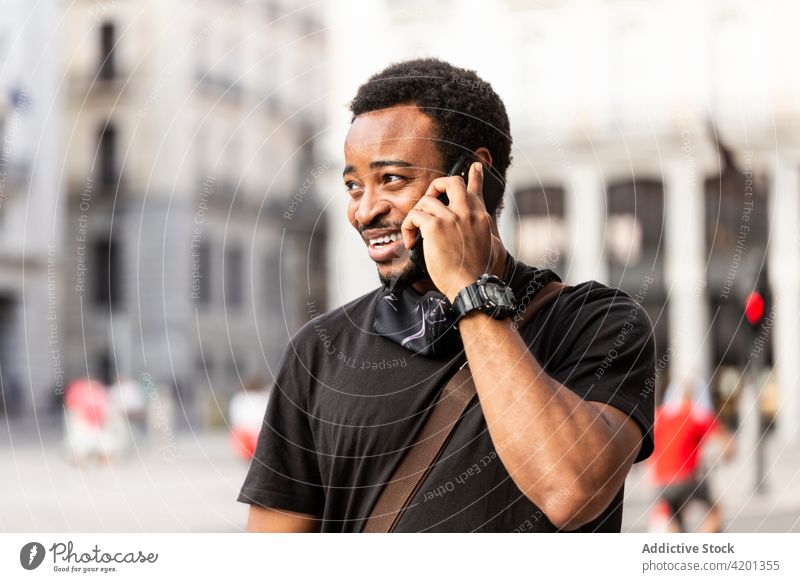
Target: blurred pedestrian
[160,413]
[128,400]
[246,415]
[85,422]
[684,422]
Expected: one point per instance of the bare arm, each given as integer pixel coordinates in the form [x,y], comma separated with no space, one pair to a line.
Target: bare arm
[270,520]
[568,455]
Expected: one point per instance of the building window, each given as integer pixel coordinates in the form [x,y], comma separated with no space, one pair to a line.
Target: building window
[107,41]
[205,365]
[234,276]
[201,273]
[106,368]
[107,156]
[635,251]
[231,368]
[542,235]
[2,141]
[273,301]
[107,272]
[736,215]
[635,225]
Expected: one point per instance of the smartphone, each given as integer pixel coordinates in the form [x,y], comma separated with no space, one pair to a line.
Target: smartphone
[493,189]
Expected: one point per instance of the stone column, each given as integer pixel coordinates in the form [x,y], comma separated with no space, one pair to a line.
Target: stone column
[685,275]
[784,279]
[586,212]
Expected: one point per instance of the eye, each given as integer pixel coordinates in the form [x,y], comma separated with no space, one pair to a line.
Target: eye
[351,186]
[392,178]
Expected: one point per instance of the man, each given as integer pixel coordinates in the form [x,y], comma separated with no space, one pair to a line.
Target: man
[563,408]
[684,423]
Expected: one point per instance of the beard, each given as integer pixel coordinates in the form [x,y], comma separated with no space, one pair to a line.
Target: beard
[402,276]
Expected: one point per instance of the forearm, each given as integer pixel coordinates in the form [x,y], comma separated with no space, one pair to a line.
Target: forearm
[270,520]
[555,445]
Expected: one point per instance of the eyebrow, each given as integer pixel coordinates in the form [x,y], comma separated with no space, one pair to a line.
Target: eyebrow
[380,164]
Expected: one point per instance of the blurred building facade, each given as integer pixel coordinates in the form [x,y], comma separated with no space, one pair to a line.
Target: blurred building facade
[655,151]
[191,200]
[30,153]
[189,130]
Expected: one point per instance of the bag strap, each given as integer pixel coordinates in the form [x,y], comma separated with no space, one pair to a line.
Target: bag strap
[425,451]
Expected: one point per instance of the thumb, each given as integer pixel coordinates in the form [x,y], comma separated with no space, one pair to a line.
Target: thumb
[475,185]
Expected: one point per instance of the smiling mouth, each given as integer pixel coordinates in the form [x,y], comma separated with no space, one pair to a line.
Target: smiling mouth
[386,248]
[382,241]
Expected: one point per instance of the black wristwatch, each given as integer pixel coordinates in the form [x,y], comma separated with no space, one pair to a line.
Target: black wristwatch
[488,294]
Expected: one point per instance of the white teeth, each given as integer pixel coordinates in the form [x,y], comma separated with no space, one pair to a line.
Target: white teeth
[385,239]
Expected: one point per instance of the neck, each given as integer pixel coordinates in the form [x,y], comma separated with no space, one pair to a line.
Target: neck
[425,284]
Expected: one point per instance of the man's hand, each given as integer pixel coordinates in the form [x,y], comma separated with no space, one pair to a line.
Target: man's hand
[459,245]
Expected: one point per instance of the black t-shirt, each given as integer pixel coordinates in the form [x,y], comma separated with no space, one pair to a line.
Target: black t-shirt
[347,403]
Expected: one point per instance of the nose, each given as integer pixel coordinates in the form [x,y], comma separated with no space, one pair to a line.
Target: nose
[371,205]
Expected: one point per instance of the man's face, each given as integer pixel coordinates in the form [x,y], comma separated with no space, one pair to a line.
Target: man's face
[391,157]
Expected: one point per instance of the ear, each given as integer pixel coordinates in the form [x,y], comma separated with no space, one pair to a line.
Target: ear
[483,155]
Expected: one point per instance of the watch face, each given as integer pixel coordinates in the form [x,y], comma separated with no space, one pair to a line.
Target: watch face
[498,299]
[494,293]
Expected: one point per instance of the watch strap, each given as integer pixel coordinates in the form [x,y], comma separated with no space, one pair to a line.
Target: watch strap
[467,300]
[470,299]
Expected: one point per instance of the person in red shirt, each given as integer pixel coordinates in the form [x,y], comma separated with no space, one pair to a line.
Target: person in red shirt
[683,425]
[85,424]
[246,417]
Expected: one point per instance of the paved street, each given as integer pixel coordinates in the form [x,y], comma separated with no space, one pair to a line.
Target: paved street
[191,486]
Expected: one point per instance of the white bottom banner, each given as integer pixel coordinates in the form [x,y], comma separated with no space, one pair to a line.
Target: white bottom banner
[403,557]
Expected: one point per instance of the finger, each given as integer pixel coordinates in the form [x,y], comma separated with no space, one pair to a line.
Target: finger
[455,189]
[415,220]
[435,207]
[475,187]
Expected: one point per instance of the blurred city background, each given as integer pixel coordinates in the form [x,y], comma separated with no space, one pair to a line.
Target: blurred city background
[171,212]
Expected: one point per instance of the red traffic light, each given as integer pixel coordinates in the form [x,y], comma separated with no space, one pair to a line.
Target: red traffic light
[754,307]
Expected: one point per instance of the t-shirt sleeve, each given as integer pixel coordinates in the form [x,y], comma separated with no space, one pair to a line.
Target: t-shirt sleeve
[606,353]
[284,473]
